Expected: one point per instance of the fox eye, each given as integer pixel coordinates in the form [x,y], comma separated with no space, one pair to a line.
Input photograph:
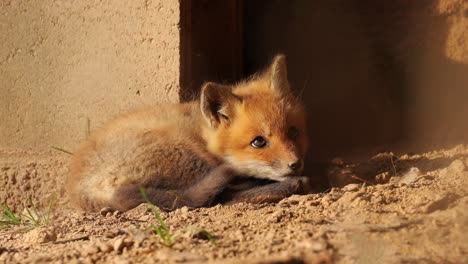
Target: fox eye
[259,142]
[293,133]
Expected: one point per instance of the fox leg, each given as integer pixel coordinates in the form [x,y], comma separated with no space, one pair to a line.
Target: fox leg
[269,193]
[205,191]
[201,193]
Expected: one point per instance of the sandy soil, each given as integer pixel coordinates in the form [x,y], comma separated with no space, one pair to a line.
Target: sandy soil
[417,214]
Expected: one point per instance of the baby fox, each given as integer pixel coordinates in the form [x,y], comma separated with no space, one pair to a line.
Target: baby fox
[188,154]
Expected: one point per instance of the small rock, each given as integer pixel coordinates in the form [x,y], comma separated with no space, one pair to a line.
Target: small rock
[335,194]
[292,200]
[326,201]
[40,235]
[88,250]
[106,211]
[284,203]
[184,209]
[128,242]
[104,247]
[276,216]
[351,187]
[200,234]
[117,213]
[411,176]
[145,218]
[122,243]
[383,177]
[118,244]
[114,233]
[239,235]
[137,235]
[404,157]
[138,212]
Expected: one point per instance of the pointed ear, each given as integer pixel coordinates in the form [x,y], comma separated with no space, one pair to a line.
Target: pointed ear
[217,103]
[279,75]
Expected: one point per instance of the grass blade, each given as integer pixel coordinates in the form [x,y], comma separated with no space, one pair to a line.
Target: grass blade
[62,150]
[49,210]
[163,231]
[9,217]
[88,125]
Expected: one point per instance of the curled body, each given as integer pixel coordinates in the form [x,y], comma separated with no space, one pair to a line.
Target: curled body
[189,154]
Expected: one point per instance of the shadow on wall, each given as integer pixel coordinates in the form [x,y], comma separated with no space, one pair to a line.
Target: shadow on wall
[373,75]
[437,73]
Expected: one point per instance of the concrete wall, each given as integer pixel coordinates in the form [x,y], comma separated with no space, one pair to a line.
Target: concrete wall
[62,62]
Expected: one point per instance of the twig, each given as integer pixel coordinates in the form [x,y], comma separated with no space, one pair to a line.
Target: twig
[393,165]
[62,150]
[361,179]
[85,237]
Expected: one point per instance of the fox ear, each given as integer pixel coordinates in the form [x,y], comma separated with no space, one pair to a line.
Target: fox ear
[279,75]
[217,103]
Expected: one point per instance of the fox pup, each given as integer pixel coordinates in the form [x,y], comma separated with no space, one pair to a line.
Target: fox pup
[187,154]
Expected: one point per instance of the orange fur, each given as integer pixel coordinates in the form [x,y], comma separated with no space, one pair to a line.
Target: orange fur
[193,149]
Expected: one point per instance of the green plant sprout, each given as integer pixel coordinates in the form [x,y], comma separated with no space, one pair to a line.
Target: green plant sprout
[8,217]
[87,132]
[163,231]
[32,218]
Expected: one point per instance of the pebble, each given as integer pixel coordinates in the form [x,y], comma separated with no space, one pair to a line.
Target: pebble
[88,250]
[113,233]
[383,177]
[239,235]
[118,244]
[411,176]
[276,216]
[106,211]
[40,235]
[137,235]
[184,209]
[117,214]
[351,187]
[104,247]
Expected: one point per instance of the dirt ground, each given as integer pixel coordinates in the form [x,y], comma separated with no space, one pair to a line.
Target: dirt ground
[418,213]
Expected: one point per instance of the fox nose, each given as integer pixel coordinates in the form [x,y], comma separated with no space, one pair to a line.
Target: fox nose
[295,165]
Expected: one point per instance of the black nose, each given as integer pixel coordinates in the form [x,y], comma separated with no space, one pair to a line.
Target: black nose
[296,165]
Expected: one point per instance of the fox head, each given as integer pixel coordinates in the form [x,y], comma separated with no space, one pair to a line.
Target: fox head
[258,126]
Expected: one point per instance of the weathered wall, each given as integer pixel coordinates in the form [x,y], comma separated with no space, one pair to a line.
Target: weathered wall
[62,62]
